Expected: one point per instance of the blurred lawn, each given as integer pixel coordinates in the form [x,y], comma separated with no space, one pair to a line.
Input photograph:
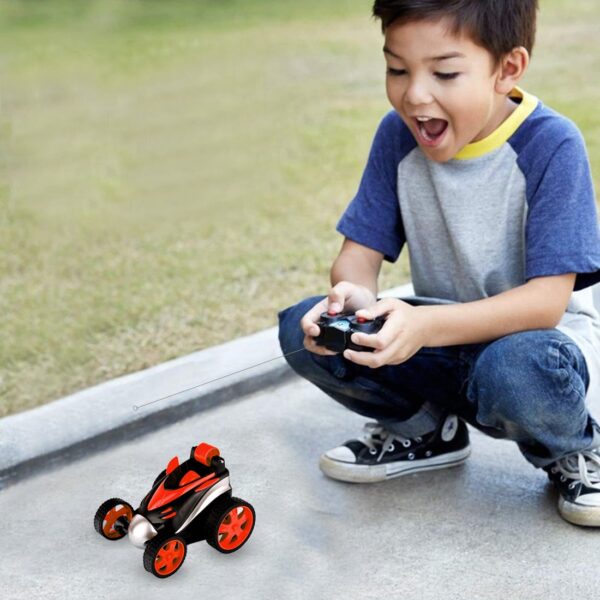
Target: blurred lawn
[171,172]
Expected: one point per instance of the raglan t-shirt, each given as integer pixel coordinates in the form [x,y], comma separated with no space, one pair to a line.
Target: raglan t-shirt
[515,205]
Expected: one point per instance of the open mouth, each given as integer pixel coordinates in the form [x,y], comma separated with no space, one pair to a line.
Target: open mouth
[431,131]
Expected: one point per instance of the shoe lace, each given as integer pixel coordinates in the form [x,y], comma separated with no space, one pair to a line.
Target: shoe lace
[375,435]
[583,466]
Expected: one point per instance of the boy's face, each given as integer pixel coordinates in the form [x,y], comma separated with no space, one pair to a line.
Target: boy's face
[458,91]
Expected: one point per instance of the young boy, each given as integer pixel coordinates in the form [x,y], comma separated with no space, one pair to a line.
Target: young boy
[491,192]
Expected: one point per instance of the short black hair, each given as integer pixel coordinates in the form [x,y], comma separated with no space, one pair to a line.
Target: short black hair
[497,25]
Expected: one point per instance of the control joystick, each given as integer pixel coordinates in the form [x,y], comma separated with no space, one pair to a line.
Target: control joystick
[337,329]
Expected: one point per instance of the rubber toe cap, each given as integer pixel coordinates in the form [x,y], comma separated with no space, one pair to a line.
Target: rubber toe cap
[592,500]
[341,454]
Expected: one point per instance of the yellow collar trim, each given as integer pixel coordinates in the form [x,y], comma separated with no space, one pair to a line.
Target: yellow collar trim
[506,129]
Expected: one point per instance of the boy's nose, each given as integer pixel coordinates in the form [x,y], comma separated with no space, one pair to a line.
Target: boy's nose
[417,94]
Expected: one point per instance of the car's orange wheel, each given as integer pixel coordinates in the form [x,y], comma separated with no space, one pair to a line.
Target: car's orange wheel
[112,519]
[164,556]
[230,524]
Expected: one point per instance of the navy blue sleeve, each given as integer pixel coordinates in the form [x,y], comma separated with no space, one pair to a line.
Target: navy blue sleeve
[562,233]
[373,216]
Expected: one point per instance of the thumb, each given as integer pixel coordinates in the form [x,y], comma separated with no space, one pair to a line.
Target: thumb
[335,300]
[381,308]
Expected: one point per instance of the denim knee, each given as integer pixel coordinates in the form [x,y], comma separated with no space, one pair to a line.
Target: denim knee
[532,377]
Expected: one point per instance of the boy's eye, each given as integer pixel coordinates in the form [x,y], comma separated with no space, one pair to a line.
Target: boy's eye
[394,72]
[446,76]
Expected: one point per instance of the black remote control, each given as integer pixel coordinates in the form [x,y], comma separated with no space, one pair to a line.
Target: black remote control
[337,329]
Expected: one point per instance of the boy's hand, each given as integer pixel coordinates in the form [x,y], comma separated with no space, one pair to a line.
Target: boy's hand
[343,297]
[403,334]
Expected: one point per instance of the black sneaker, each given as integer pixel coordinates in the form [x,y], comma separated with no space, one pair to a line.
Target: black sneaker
[379,455]
[577,478]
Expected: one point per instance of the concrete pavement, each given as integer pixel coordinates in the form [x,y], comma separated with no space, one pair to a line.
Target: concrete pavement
[488,529]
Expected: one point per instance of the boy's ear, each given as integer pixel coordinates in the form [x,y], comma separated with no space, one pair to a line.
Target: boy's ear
[511,69]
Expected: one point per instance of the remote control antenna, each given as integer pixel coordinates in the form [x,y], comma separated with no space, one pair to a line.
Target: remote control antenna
[138,406]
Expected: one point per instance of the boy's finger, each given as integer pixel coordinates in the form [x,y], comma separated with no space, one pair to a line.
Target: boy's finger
[371,340]
[308,325]
[338,295]
[311,330]
[382,307]
[374,360]
[384,338]
[311,346]
[336,298]
[308,322]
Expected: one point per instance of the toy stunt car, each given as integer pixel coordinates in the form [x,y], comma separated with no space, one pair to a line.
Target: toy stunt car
[188,502]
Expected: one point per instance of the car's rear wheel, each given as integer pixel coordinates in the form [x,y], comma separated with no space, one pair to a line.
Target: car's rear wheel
[112,519]
[164,556]
[229,524]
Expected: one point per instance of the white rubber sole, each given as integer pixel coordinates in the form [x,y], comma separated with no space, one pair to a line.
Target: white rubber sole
[586,516]
[350,472]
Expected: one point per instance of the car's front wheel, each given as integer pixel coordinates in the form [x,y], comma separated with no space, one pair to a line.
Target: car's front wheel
[164,556]
[229,525]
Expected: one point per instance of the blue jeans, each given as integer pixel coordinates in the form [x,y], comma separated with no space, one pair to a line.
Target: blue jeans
[528,387]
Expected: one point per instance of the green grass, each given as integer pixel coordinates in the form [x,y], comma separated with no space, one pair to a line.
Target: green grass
[166,164]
